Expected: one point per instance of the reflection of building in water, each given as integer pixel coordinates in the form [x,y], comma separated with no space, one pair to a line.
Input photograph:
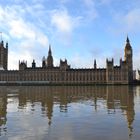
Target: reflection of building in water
[48,106]
[116,97]
[37,94]
[63,103]
[130,112]
[3,108]
[123,98]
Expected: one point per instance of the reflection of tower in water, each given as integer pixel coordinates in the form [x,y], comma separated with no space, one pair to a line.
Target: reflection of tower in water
[130,112]
[48,104]
[41,94]
[122,97]
[3,108]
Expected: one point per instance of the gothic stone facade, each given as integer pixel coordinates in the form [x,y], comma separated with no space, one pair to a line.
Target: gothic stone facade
[64,74]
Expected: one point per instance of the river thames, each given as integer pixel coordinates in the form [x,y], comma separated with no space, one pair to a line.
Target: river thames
[69,113]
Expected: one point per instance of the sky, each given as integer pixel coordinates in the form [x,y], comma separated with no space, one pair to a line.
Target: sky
[78,30]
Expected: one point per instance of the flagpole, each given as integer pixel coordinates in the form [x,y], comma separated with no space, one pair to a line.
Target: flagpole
[1,35]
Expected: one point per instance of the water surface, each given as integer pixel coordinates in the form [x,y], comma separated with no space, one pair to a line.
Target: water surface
[70,113]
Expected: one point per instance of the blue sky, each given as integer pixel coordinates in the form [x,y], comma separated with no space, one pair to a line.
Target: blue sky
[79,30]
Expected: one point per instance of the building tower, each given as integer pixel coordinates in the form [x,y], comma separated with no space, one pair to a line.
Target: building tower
[33,64]
[3,56]
[128,57]
[95,65]
[50,58]
[43,62]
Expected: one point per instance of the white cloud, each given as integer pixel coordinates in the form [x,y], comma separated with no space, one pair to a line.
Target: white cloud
[25,44]
[63,22]
[24,32]
[63,25]
[19,29]
[13,58]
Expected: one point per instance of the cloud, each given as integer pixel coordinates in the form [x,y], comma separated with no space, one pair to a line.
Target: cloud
[131,20]
[79,61]
[125,22]
[136,58]
[13,63]
[19,29]
[91,12]
[42,39]
[63,25]
[13,19]
[26,34]
[27,25]
[63,22]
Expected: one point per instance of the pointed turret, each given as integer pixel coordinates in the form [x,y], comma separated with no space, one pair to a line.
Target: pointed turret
[128,46]
[50,51]
[33,64]
[6,45]
[95,65]
[43,62]
[50,58]
[127,40]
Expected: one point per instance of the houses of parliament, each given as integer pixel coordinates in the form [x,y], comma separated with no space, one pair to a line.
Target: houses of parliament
[64,74]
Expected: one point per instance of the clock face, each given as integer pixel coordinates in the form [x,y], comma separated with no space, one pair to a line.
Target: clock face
[129,52]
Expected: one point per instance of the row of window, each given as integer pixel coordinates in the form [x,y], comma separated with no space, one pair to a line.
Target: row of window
[117,77]
[61,77]
[9,77]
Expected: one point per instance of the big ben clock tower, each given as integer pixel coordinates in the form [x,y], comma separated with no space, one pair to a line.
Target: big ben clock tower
[129,59]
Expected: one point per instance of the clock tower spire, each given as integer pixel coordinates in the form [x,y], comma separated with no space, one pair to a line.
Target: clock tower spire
[128,57]
[128,49]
